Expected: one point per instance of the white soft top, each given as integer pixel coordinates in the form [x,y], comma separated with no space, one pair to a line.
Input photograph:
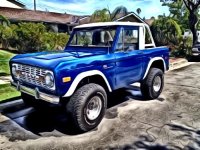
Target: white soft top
[100,24]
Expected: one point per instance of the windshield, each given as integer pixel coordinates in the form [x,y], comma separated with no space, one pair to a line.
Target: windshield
[102,37]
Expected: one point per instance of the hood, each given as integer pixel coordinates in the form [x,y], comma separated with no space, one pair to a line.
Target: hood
[49,60]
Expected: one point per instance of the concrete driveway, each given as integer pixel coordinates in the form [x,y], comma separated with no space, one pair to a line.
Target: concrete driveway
[170,122]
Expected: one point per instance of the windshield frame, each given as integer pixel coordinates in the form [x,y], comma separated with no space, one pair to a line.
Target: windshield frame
[75,30]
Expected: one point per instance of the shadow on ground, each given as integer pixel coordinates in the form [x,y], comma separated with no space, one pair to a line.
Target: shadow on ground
[54,120]
[147,143]
[144,143]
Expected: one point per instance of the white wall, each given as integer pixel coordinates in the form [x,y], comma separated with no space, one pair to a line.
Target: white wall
[5,3]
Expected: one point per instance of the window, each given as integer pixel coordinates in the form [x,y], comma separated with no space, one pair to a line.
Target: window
[128,40]
[82,38]
[148,40]
[147,37]
[93,37]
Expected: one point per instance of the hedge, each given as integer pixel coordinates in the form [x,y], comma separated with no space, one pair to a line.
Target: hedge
[31,37]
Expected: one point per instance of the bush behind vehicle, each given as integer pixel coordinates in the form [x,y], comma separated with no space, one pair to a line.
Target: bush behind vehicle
[31,37]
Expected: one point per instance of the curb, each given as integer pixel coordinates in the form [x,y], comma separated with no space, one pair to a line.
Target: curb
[5,80]
[10,104]
[179,63]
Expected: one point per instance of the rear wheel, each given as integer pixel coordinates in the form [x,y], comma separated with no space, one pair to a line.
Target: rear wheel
[87,106]
[152,85]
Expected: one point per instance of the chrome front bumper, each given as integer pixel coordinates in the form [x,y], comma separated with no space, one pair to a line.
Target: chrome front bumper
[36,93]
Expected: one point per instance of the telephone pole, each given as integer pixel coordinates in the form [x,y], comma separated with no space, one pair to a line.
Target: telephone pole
[34,5]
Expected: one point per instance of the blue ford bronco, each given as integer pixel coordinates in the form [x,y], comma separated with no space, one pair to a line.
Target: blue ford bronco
[99,58]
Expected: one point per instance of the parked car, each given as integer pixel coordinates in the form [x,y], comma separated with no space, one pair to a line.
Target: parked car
[188,33]
[196,50]
[99,58]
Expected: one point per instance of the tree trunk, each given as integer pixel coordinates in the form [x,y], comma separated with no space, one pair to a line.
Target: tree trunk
[5,44]
[193,20]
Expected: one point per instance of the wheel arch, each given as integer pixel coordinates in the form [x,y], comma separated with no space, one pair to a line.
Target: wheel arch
[93,76]
[156,62]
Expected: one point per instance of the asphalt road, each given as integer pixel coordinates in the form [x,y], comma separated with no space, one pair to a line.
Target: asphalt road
[170,122]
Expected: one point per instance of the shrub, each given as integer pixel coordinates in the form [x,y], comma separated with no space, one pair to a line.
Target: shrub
[54,40]
[184,49]
[6,34]
[31,37]
[166,31]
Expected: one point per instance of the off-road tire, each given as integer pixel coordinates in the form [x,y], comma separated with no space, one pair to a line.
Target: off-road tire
[78,104]
[147,89]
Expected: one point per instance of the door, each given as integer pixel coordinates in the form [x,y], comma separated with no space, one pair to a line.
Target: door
[129,64]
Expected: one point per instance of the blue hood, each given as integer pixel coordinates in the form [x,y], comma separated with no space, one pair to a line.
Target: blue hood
[49,60]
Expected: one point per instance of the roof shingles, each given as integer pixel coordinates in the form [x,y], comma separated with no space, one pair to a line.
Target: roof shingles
[36,16]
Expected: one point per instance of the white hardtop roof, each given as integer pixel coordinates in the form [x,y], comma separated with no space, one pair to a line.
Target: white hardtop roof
[100,24]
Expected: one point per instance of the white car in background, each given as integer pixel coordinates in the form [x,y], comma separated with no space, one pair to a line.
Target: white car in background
[196,48]
[188,33]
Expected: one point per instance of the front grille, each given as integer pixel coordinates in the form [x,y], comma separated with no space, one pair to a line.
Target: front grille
[31,74]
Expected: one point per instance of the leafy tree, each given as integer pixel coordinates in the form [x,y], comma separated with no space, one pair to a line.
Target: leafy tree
[166,31]
[179,13]
[193,6]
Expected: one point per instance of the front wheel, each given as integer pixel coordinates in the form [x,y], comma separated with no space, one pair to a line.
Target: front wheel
[87,106]
[152,85]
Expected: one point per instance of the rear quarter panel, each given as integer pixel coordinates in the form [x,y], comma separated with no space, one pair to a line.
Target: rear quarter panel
[155,52]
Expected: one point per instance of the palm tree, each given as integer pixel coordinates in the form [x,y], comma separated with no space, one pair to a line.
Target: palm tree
[100,16]
[138,11]
[119,12]
[105,15]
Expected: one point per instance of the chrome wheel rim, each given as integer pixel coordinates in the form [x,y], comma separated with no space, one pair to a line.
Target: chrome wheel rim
[157,83]
[94,107]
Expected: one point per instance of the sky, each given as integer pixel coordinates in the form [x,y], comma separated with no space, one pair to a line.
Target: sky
[87,7]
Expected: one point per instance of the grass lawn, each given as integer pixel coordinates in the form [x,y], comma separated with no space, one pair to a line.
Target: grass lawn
[4,62]
[8,92]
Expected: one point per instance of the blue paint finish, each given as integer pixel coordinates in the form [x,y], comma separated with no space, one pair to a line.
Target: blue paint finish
[120,68]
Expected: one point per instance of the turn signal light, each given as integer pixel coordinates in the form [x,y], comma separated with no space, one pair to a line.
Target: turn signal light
[66,79]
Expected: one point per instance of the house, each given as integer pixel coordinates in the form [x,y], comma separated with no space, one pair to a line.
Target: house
[12,4]
[133,17]
[57,21]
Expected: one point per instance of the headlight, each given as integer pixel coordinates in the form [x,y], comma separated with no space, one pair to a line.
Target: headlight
[14,70]
[49,80]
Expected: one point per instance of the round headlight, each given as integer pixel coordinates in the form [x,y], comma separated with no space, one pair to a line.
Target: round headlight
[49,80]
[14,70]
